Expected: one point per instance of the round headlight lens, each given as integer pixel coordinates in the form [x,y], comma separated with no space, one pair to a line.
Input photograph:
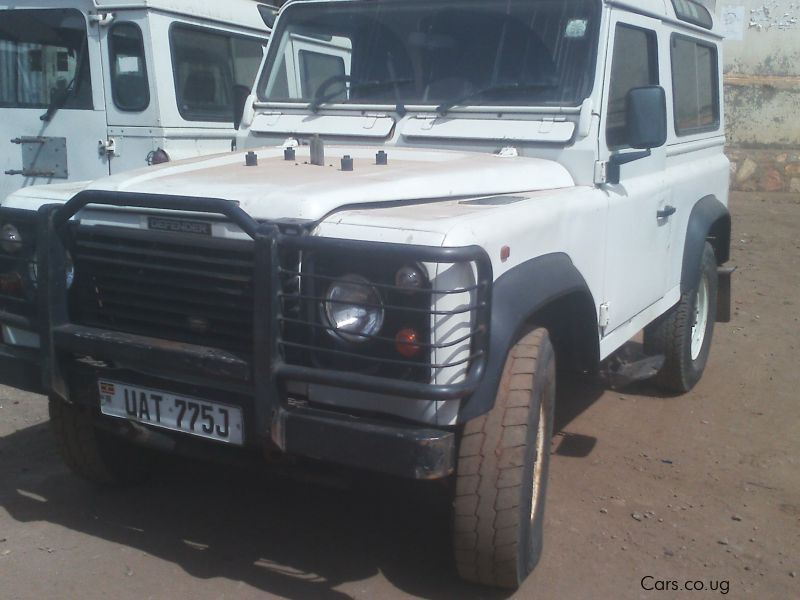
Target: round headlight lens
[353,308]
[10,240]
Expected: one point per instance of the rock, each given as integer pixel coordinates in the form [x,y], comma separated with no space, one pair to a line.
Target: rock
[746,170]
[5,552]
[637,516]
[604,511]
[772,181]
[736,518]
[723,542]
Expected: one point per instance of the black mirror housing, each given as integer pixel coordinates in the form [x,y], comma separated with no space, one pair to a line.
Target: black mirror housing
[269,13]
[647,117]
[240,95]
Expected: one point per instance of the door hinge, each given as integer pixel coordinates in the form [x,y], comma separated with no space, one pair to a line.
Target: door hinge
[107,147]
[603,318]
[600,172]
[101,19]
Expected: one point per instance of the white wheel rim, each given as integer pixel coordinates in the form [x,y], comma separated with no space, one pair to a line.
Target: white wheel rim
[700,319]
[538,464]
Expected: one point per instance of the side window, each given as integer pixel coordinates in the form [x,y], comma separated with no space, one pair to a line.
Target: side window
[130,87]
[694,86]
[316,68]
[206,65]
[634,64]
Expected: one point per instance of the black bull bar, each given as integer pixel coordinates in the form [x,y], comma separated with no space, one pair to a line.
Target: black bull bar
[192,363]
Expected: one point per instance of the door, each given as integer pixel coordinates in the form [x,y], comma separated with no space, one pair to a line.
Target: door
[637,249]
[132,101]
[52,115]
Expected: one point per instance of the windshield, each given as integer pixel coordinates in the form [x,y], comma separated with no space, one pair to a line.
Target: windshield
[43,57]
[517,53]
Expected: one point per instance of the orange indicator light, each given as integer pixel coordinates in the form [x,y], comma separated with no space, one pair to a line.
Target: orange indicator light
[406,343]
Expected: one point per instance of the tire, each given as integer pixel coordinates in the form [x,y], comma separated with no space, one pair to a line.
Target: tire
[683,334]
[501,474]
[93,454]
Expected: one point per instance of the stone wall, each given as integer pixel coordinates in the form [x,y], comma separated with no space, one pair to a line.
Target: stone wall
[764,170]
[762,93]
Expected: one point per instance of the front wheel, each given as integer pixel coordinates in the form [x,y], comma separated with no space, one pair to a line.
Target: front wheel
[94,454]
[501,475]
[683,335]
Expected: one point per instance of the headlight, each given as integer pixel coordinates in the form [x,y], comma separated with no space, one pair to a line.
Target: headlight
[353,308]
[10,240]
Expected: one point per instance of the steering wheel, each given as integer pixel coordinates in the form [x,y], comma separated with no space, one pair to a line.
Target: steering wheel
[320,97]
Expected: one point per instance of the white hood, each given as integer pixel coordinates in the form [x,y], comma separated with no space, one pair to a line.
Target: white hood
[276,188]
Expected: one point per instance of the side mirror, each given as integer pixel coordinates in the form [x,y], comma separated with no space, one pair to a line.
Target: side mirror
[647,117]
[269,13]
[240,95]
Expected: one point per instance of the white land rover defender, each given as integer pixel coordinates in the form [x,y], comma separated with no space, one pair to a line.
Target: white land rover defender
[445,203]
[90,88]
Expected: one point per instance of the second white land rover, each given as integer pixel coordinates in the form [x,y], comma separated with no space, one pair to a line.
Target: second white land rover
[443,203]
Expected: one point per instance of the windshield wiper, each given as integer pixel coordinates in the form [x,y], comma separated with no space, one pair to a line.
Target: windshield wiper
[445,106]
[58,100]
[321,98]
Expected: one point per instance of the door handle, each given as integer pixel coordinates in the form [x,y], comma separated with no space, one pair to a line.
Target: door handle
[666,212]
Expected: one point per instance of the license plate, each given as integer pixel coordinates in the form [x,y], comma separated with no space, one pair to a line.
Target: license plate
[202,418]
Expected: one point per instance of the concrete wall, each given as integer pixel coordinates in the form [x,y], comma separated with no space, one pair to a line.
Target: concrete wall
[762,92]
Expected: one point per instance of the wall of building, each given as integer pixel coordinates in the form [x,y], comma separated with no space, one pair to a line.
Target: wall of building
[762,92]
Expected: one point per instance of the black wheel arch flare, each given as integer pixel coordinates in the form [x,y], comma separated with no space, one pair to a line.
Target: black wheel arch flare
[709,221]
[518,297]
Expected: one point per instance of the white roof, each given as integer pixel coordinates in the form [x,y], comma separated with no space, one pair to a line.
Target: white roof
[242,13]
[239,12]
[661,8]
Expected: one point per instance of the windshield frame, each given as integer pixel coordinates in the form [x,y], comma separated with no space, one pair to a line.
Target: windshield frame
[474,106]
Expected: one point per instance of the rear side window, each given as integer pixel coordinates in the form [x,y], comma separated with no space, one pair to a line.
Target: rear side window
[206,65]
[695,86]
[693,12]
[129,85]
[634,64]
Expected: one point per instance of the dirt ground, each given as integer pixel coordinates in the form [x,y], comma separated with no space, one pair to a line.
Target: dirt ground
[644,489]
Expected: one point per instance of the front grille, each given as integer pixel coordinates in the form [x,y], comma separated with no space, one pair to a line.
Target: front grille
[178,287]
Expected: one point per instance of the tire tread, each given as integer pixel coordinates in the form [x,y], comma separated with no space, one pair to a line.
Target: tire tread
[491,445]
